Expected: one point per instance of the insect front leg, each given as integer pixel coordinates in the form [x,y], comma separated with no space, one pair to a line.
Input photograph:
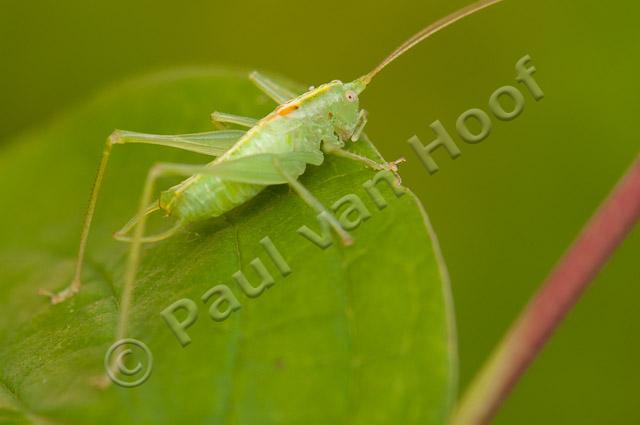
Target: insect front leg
[212,143]
[332,149]
[360,124]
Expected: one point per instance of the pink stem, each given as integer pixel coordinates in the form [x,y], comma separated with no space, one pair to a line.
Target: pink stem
[561,290]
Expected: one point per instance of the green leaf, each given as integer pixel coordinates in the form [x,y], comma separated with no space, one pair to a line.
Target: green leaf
[354,335]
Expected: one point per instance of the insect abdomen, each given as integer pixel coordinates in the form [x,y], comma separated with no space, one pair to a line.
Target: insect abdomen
[210,197]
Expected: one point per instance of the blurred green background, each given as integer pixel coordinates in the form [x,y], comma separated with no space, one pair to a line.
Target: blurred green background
[504,211]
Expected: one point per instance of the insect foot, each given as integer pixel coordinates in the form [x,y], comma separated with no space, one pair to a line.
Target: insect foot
[393,167]
[65,294]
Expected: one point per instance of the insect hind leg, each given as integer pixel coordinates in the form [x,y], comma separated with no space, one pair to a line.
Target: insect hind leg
[121,235]
[138,224]
[212,143]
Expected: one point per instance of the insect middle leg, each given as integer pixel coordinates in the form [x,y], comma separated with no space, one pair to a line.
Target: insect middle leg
[212,143]
[219,118]
[272,89]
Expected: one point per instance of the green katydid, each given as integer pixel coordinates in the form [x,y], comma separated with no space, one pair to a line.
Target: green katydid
[274,150]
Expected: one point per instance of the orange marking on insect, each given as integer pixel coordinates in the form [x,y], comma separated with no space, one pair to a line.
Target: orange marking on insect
[286,109]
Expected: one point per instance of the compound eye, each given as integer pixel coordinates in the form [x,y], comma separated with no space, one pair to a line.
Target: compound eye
[351,96]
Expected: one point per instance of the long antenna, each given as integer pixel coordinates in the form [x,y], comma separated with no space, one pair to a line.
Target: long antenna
[426,32]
